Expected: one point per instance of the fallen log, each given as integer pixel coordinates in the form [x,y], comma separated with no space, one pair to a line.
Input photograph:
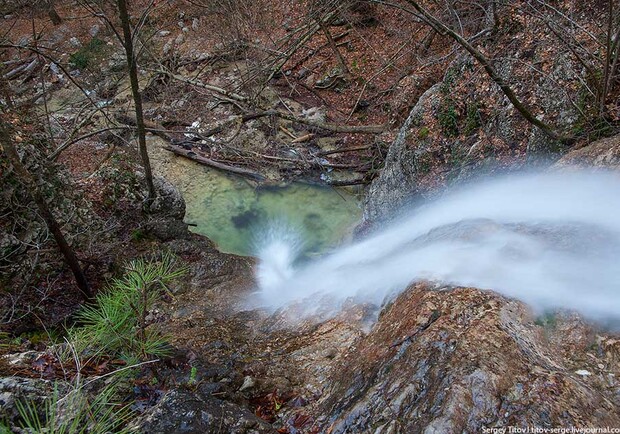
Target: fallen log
[151,127]
[342,151]
[355,129]
[232,95]
[211,163]
[26,68]
[345,183]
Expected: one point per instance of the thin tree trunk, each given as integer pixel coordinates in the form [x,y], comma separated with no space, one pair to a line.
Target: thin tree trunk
[334,47]
[29,183]
[5,90]
[137,97]
[496,22]
[51,12]
[490,70]
[427,41]
[608,54]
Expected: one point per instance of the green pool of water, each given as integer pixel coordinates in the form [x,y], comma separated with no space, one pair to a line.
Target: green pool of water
[235,214]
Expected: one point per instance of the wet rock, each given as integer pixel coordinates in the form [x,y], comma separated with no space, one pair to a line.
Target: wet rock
[481,363]
[437,360]
[190,412]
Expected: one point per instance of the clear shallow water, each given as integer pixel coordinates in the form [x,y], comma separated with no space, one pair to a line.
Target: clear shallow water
[235,215]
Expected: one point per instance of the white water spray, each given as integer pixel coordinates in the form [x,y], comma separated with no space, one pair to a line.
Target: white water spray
[551,240]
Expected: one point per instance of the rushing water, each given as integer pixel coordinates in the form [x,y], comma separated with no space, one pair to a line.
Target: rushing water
[552,240]
[231,211]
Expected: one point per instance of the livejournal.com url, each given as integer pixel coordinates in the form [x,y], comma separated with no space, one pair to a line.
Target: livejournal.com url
[539,430]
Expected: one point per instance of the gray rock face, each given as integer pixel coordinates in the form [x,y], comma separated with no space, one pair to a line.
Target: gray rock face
[398,182]
[169,201]
[450,137]
[166,213]
[601,154]
[18,389]
[182,411]
[479,363]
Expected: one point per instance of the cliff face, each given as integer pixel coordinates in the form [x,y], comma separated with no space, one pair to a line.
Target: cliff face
[464,126]
[423,159]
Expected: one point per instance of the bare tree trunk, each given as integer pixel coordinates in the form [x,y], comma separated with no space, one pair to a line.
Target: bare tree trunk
[427,41]
[51,12]
[604,86]
[137,97]
[496,22]
[334,47]
[5,89]
[28,181]
[490,70]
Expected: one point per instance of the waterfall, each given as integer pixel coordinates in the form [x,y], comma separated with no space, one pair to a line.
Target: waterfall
[551,240]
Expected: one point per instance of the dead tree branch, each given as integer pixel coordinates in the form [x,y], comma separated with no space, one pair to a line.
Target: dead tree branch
[178,150]
[491,71]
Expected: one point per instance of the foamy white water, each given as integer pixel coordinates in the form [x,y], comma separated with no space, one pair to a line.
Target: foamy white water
[551,240]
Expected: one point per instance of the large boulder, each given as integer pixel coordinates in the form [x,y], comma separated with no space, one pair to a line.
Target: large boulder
[184,411]
[601,154]
[166,213]
[169,201]
[454,136]
[27,391]
[460,360]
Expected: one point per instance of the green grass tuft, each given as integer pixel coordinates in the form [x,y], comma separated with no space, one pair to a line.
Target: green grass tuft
[76,412]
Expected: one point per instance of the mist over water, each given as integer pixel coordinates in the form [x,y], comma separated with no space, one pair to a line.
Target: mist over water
[551,240]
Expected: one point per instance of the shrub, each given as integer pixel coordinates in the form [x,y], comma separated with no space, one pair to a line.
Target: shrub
[85,55]
[448,117]
[423,133]
[116,325]
[472,119]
